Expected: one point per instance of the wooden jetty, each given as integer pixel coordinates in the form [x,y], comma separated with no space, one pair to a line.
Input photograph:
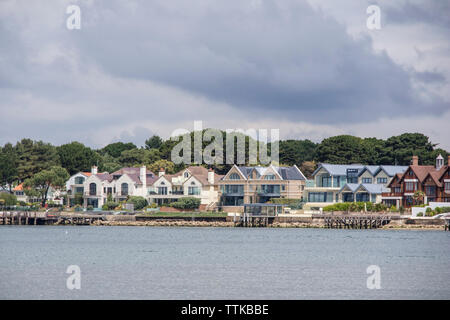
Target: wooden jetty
[44,218]
[258,215]
[355,222]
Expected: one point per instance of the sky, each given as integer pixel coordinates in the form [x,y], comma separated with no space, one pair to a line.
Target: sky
[311,69]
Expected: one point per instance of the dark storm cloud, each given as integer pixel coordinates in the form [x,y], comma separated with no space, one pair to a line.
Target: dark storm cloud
[289,60]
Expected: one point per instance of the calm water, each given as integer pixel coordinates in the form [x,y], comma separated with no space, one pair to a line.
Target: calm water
[222,263]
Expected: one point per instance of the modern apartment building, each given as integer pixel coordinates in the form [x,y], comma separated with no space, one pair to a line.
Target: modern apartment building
[247,185]
[333,183]
[433,181]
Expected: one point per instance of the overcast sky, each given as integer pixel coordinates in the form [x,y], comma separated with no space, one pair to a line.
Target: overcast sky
[309,68]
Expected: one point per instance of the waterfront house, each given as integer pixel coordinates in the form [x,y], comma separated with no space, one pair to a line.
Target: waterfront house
[248,185]
[54,196]
[75,186]
[194,181]
[334,183]
[117,185]
[433,181]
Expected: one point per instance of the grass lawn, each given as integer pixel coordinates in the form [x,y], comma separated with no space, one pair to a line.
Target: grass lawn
[184,214]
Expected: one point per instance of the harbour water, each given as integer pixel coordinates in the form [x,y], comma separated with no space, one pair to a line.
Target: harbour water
[222,263]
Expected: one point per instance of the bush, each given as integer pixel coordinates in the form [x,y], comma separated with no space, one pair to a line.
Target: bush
[9,199]
[438,210]
[420,214]
[109,205]
[445,209]
[90,208]
[138,202]
[356,207]
[186,203]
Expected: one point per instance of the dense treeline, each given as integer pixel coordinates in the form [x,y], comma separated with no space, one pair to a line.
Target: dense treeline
[27,158]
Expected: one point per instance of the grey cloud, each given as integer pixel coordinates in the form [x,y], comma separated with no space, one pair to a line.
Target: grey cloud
[268,59]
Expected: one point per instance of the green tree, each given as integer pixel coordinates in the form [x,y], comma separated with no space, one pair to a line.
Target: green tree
[8,199]
[296,151]
[168,166]
[76,157]
[400,149]
[116,149]
[137,157]
[34,156]
[138,202]
[39,185]
[8,167]
[154,142]
[344,149]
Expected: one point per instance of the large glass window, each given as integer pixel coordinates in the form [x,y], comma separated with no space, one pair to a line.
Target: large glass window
[447,186]
[269,188]
[124,189]
[326,181]
[319,197]
[162,190]
[362,197]
[233,188]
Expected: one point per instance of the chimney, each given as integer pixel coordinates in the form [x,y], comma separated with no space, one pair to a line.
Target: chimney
[94,170]
[161,172]
[211,176]
[143,177]
[415,161]
[439,162]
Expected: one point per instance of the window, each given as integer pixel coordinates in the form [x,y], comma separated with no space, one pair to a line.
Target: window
[193,191]
[326,181]
[430,190]
[319,197]
[397,190]
[124,188]
[234,176]
[381,180]
[79,180]
[186,174]
[269,177]
[162,190]
[352,175]
[283,187]
[92,189]
[410,186]
[447,186]
[232,189]
[366,180]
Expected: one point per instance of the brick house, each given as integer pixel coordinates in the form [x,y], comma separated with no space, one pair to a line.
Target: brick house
[433,181]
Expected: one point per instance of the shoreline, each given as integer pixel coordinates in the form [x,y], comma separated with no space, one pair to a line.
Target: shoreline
[280,225]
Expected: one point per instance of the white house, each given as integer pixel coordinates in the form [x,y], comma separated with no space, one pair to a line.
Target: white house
[194,181]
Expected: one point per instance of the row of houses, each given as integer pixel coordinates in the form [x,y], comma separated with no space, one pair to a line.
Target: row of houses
[330,183]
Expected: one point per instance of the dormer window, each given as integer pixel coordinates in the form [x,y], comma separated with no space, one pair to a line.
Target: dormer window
[269,177]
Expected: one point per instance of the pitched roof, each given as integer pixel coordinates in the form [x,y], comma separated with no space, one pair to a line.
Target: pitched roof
[338,169]
[286,173]
[373,188]
[392,170]
[18,187]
